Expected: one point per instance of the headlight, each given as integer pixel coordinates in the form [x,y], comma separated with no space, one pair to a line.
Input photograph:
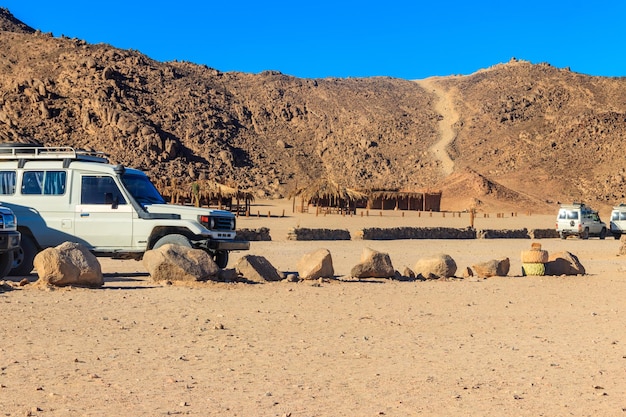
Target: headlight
[232,224]
[212,223]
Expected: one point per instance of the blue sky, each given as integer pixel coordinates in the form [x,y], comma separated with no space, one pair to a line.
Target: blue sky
[403,39]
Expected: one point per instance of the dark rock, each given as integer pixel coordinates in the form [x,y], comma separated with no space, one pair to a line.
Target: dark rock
[373,265]
[257,269]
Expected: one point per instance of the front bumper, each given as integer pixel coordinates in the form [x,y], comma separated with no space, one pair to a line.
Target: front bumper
[229,245]
[10,240]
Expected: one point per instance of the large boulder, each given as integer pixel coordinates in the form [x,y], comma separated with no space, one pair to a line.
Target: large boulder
[179,263]
[256,268]
[492,268]
[564,263]
[373,265]
[314,265]
[68,264]
[440,266]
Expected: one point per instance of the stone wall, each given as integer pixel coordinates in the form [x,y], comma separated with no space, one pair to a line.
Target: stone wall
[318,234]
[503,234]
[543,233]
[260,234]
[376,233]
[451,233]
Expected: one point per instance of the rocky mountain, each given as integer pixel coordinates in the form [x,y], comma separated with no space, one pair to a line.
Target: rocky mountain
[517,135]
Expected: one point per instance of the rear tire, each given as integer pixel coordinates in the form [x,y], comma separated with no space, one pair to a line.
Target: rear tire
[603,233]
[617,235]
[175,239]
[24,256]
[585,234]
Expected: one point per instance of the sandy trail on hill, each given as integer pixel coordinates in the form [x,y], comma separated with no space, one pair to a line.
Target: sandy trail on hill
[444,105]
[523,346]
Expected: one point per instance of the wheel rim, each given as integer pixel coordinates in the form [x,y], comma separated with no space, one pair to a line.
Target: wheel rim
[18,257]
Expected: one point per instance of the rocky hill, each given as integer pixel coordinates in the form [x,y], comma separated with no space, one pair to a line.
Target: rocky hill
[516,135]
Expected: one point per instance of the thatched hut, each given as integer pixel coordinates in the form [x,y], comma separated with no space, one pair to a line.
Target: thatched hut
[214,194]
[329,196]
[404,200]
[207,193]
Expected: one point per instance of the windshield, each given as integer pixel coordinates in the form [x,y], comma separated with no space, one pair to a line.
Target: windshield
[142,190]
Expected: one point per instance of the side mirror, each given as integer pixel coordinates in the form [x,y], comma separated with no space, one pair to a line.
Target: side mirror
[108,199]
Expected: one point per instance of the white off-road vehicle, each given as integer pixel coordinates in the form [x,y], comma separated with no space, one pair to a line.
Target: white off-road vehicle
[577,219]
[9,240]
[61,194]
[618,221]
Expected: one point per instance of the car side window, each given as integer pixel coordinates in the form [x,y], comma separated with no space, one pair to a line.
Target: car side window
[7,182]
[44,182]
[100,190]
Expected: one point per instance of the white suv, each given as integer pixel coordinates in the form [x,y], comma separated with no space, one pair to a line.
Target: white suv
[618,221]
[61,194]
[577,219]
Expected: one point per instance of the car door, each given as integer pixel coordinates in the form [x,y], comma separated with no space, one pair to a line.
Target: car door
[103,218]
[594,223]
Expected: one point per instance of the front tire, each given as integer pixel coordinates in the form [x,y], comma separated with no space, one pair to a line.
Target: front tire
[6,263]
[24,256]
[174,239]
[603,233]
[221,258]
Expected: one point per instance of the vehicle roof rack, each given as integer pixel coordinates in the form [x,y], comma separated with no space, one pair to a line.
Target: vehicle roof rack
[67,153]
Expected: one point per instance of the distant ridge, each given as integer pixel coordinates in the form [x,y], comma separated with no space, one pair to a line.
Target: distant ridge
[9,23]
[530,134]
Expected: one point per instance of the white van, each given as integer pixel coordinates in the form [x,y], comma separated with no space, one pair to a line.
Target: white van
[618,221]
[580,220]
[61,194]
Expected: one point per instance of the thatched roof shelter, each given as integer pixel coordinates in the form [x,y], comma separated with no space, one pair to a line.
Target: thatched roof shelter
[427,200]
[326,192]
[391,194]
[208,192]
[212,189]
[221,194]
[327,189]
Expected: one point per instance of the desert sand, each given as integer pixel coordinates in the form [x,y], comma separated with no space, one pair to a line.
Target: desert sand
[523,346]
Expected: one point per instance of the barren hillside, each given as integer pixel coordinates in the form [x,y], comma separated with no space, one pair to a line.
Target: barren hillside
[543,134]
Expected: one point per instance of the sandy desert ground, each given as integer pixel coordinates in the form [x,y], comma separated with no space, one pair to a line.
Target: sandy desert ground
[505,346]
